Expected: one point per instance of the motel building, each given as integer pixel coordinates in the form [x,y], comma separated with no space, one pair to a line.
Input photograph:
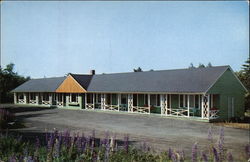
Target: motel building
[209,93]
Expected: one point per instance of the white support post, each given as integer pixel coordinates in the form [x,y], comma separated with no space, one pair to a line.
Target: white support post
[119,101]
[130,102]
[162,104]
[105,96]
[93,100]
[15,99]
[25,98]
[149,104]
[50,98]
[37,98]
[170,104]
[166,105]
[202,106]
[208,106]
[188,98]
[86,101]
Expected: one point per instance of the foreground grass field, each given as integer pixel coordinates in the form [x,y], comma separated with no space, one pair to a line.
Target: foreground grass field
[61,146]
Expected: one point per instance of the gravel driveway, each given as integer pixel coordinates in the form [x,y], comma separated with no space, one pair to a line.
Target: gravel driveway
[159,132]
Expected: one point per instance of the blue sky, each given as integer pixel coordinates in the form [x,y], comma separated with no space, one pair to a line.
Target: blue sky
[55,38]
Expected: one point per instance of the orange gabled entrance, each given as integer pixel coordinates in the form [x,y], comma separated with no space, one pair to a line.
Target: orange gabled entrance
[70,85]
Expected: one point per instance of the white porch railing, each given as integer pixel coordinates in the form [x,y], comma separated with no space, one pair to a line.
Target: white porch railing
[21,101]
[213,114]
[111,107]
[46,102]
[89,106]
[141,109]
[178,112]
[32,102]
[59,103]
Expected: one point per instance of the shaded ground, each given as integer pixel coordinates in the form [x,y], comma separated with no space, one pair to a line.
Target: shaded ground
[159,132]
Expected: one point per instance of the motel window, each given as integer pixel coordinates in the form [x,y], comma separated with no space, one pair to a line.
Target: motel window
[89,98]
[46,97]
[181,100]
[135,99]
[169,100]
[21,96]
[145,99]
[59,97]
[191,101]
[74,97]
[98,98]
[155,100]
[32,96]
[123,99]
[108,99]
[196,101]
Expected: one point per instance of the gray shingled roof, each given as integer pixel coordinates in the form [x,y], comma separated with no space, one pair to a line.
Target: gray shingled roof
[180,80]
[40,85]
[83,80]
[195,80]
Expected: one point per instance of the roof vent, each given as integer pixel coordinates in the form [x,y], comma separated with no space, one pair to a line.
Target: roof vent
[92,72]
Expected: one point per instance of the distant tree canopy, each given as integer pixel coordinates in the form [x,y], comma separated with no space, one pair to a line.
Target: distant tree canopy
[138,70]
[244,76]
[200,65]
[8,81]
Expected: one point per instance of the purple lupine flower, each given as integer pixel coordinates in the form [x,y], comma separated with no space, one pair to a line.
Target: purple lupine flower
[204,157]
[221,143]
[194,152]
[174,157]
[126,140]
[12,158]
[57,149]
[79,144]
[230,157]
[210,135]
[46,136]
[37,144]
[182,155]
[50,143]
[170,152]
[247,151]
[107,149]
[216,156]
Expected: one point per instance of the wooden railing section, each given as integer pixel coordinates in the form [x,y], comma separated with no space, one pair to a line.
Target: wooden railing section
[89,106]
[21,101]
[33,102]
[178,112]
[141,109]
[59,103]
[112,107]
[46,102]
[213,114]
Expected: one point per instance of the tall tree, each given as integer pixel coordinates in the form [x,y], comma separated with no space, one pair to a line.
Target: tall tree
[209,64]
[138,70]
[191,66]
[201,65]
[8,81]
[244,76]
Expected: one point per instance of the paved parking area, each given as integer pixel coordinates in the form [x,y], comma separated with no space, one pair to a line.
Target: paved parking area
[159,132]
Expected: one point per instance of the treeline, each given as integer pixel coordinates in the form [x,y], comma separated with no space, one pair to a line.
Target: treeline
[8,81]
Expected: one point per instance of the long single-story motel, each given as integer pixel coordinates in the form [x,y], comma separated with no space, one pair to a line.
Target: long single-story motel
[206,93]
